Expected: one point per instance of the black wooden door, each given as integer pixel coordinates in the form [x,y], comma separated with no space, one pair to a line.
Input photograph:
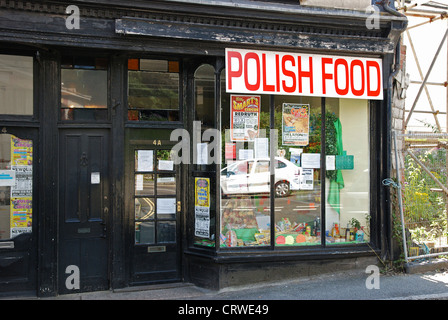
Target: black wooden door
[155,207]
[83,210]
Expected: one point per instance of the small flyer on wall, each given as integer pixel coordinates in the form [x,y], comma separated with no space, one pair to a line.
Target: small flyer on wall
[295,124]
[244,117]
[202,207]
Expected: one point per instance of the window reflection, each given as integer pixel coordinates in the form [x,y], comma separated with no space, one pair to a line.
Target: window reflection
[16,85]
[153,90]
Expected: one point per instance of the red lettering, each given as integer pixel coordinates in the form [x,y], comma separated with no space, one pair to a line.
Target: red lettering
[375,65]
[359,92]
[231,73]
[307,74]
[337,63]
[254,56]
[326,76]
[277,71]
[288,73]
[266,87]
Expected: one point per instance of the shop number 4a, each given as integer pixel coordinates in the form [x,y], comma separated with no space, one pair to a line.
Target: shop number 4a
[157,142]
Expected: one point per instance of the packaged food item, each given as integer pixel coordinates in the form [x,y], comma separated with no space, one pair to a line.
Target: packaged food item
[280,240]
[232,240]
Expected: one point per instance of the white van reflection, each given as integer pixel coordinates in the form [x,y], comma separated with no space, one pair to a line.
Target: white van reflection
[252,176]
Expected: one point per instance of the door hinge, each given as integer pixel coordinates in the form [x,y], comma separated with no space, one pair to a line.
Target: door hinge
[179,206]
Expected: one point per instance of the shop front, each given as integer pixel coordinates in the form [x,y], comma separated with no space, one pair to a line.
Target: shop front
[164,142]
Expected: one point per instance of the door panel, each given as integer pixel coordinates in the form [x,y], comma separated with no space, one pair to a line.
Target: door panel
[155,209]
[84,208]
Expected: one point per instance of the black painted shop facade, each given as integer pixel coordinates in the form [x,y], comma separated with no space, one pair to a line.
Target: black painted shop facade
[91,193]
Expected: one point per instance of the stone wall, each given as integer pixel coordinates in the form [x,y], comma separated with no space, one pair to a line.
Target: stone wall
[343,4]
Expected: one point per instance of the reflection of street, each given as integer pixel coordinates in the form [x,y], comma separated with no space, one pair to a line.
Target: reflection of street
[300,206]
[144,208]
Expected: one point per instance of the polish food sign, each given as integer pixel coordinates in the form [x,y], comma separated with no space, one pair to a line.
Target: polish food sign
[267,72]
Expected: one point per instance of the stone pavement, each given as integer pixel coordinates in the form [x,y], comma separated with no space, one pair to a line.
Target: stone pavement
[354,285]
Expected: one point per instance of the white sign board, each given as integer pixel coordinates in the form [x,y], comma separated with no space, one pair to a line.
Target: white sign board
[270,72]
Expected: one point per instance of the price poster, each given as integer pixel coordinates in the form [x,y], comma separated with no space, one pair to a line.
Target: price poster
[244,117]
[202,207]
[295,124]
[21,215]
[21,194]
[21,152]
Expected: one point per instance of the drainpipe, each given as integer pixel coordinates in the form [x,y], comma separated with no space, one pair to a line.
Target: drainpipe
[395,69]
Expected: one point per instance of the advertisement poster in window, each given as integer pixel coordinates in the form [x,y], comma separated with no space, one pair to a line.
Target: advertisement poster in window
[21,215]
[244,117]
[202,207]
[21,191]
[21,152]
[295,124]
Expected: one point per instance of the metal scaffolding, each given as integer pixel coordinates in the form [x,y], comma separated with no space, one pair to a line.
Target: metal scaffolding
[422,172]
[428,12]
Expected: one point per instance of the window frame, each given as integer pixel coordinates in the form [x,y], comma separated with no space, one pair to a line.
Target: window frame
[34,117]
[149,123]
[107,69]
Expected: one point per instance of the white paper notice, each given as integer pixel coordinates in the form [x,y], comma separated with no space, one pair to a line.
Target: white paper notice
[139,182]
[202,221]
[261,146]
[95,178]
[244,154]
[166,205]
[311,160]
[145,160]
[7,178]
[330,163]
[202,152]
[166,165]
[306,179]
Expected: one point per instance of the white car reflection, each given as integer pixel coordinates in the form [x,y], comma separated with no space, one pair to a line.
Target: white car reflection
[253,176]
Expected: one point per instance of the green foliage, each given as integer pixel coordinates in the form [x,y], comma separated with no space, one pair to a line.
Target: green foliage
[425,209]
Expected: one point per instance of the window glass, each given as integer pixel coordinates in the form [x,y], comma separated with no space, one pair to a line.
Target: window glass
[297,173]
[83,89]
[153,90]
[204,80]
[155,197]
[347,176]
[16,183]
[16,85]
[245,175]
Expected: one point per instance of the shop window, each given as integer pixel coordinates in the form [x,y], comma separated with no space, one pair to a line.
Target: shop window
[245,174]
[16,183]
[153,90]
[304,213]
[204,80]
[347,175]
[84,89]
[298,178]
[204,212]
[16,85]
